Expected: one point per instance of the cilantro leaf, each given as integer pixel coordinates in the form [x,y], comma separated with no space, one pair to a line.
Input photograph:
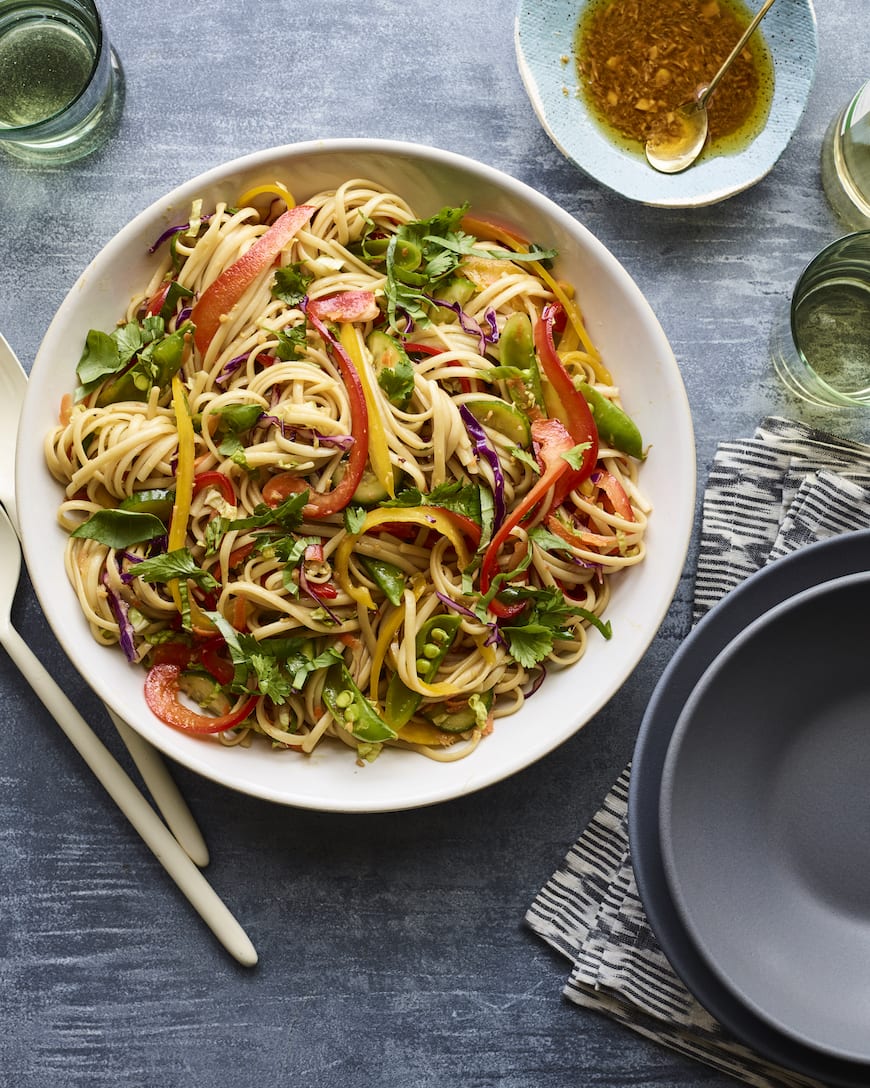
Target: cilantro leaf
[523,455]
[291,343]
[271,679]
[291,283]
[409,281]
[398,381]
[171,565]
[286,516]
[528,644]
[233,448]
[574,456]
[280,666]
[354,516]
[530,638]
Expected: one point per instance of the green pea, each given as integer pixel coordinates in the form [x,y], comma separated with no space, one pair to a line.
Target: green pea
[343,699]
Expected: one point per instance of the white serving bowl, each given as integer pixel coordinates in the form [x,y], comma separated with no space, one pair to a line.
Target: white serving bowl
[620,323]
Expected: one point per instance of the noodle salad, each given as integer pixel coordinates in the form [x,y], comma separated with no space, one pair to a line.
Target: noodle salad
[343,472]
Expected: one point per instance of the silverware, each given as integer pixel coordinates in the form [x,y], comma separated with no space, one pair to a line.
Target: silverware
[155,774]
[111,774]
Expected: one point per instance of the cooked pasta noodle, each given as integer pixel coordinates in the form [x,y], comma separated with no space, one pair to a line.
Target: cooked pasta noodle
[326,477]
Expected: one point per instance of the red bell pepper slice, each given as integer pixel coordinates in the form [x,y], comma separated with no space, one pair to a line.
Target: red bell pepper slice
[614,490]
[220,482]
[423,349]
[161,695]
[573,410]
[212,654]
[220,297]
[155,303]
[467,385]
[552,440]
[583,538]
[322,504]
[345,306]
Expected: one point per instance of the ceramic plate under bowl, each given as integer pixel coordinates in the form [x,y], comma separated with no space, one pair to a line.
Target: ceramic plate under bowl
[544,37]
[619,321]
[763,817]
[767,587]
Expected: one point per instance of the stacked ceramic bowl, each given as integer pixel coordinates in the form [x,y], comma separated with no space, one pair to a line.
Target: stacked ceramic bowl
[750,813]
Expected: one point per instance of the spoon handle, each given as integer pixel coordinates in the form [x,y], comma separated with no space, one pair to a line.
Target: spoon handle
[163,789]
[131,802]
[744,38]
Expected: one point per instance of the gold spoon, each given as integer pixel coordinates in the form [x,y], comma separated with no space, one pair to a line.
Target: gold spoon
[679,136]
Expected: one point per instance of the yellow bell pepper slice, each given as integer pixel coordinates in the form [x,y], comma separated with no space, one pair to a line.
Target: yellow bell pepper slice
[379,451]
[184,474]
[389,627]
[482,227]
[275,188]
[445,522]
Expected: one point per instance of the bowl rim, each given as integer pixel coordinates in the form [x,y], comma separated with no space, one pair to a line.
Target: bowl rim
[247,166]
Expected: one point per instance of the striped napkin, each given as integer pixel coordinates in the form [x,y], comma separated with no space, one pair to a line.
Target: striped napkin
[766,496]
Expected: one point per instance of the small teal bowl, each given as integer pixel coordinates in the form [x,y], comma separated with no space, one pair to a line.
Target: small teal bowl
[544,36]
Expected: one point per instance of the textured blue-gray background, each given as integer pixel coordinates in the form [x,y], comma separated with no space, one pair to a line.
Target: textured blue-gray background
[392,949]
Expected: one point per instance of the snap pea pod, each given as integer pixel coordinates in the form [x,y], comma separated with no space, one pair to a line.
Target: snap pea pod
[463,718]
[389,578]
[614,425]
[517,350]
[351,709]
[434,639]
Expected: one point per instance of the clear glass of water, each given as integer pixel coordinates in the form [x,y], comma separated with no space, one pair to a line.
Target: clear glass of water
[821,341]
[61,85]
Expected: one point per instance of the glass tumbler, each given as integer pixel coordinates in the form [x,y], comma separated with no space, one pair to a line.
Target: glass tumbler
[821,341]
[61,85]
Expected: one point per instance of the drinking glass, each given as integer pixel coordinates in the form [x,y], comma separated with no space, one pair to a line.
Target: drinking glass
[61,84]
[821,341]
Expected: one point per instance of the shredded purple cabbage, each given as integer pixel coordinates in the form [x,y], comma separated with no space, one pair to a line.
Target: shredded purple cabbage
[305,434]
[483,449]
[177,229]
[228,369]
[120,610]
[455,605]
[342,441]
[533,687]
[469,324]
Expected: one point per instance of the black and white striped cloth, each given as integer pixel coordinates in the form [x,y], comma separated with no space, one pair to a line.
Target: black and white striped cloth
[765,497]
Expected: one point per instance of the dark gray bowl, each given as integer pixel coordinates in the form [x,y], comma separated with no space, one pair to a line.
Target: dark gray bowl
[765,817]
